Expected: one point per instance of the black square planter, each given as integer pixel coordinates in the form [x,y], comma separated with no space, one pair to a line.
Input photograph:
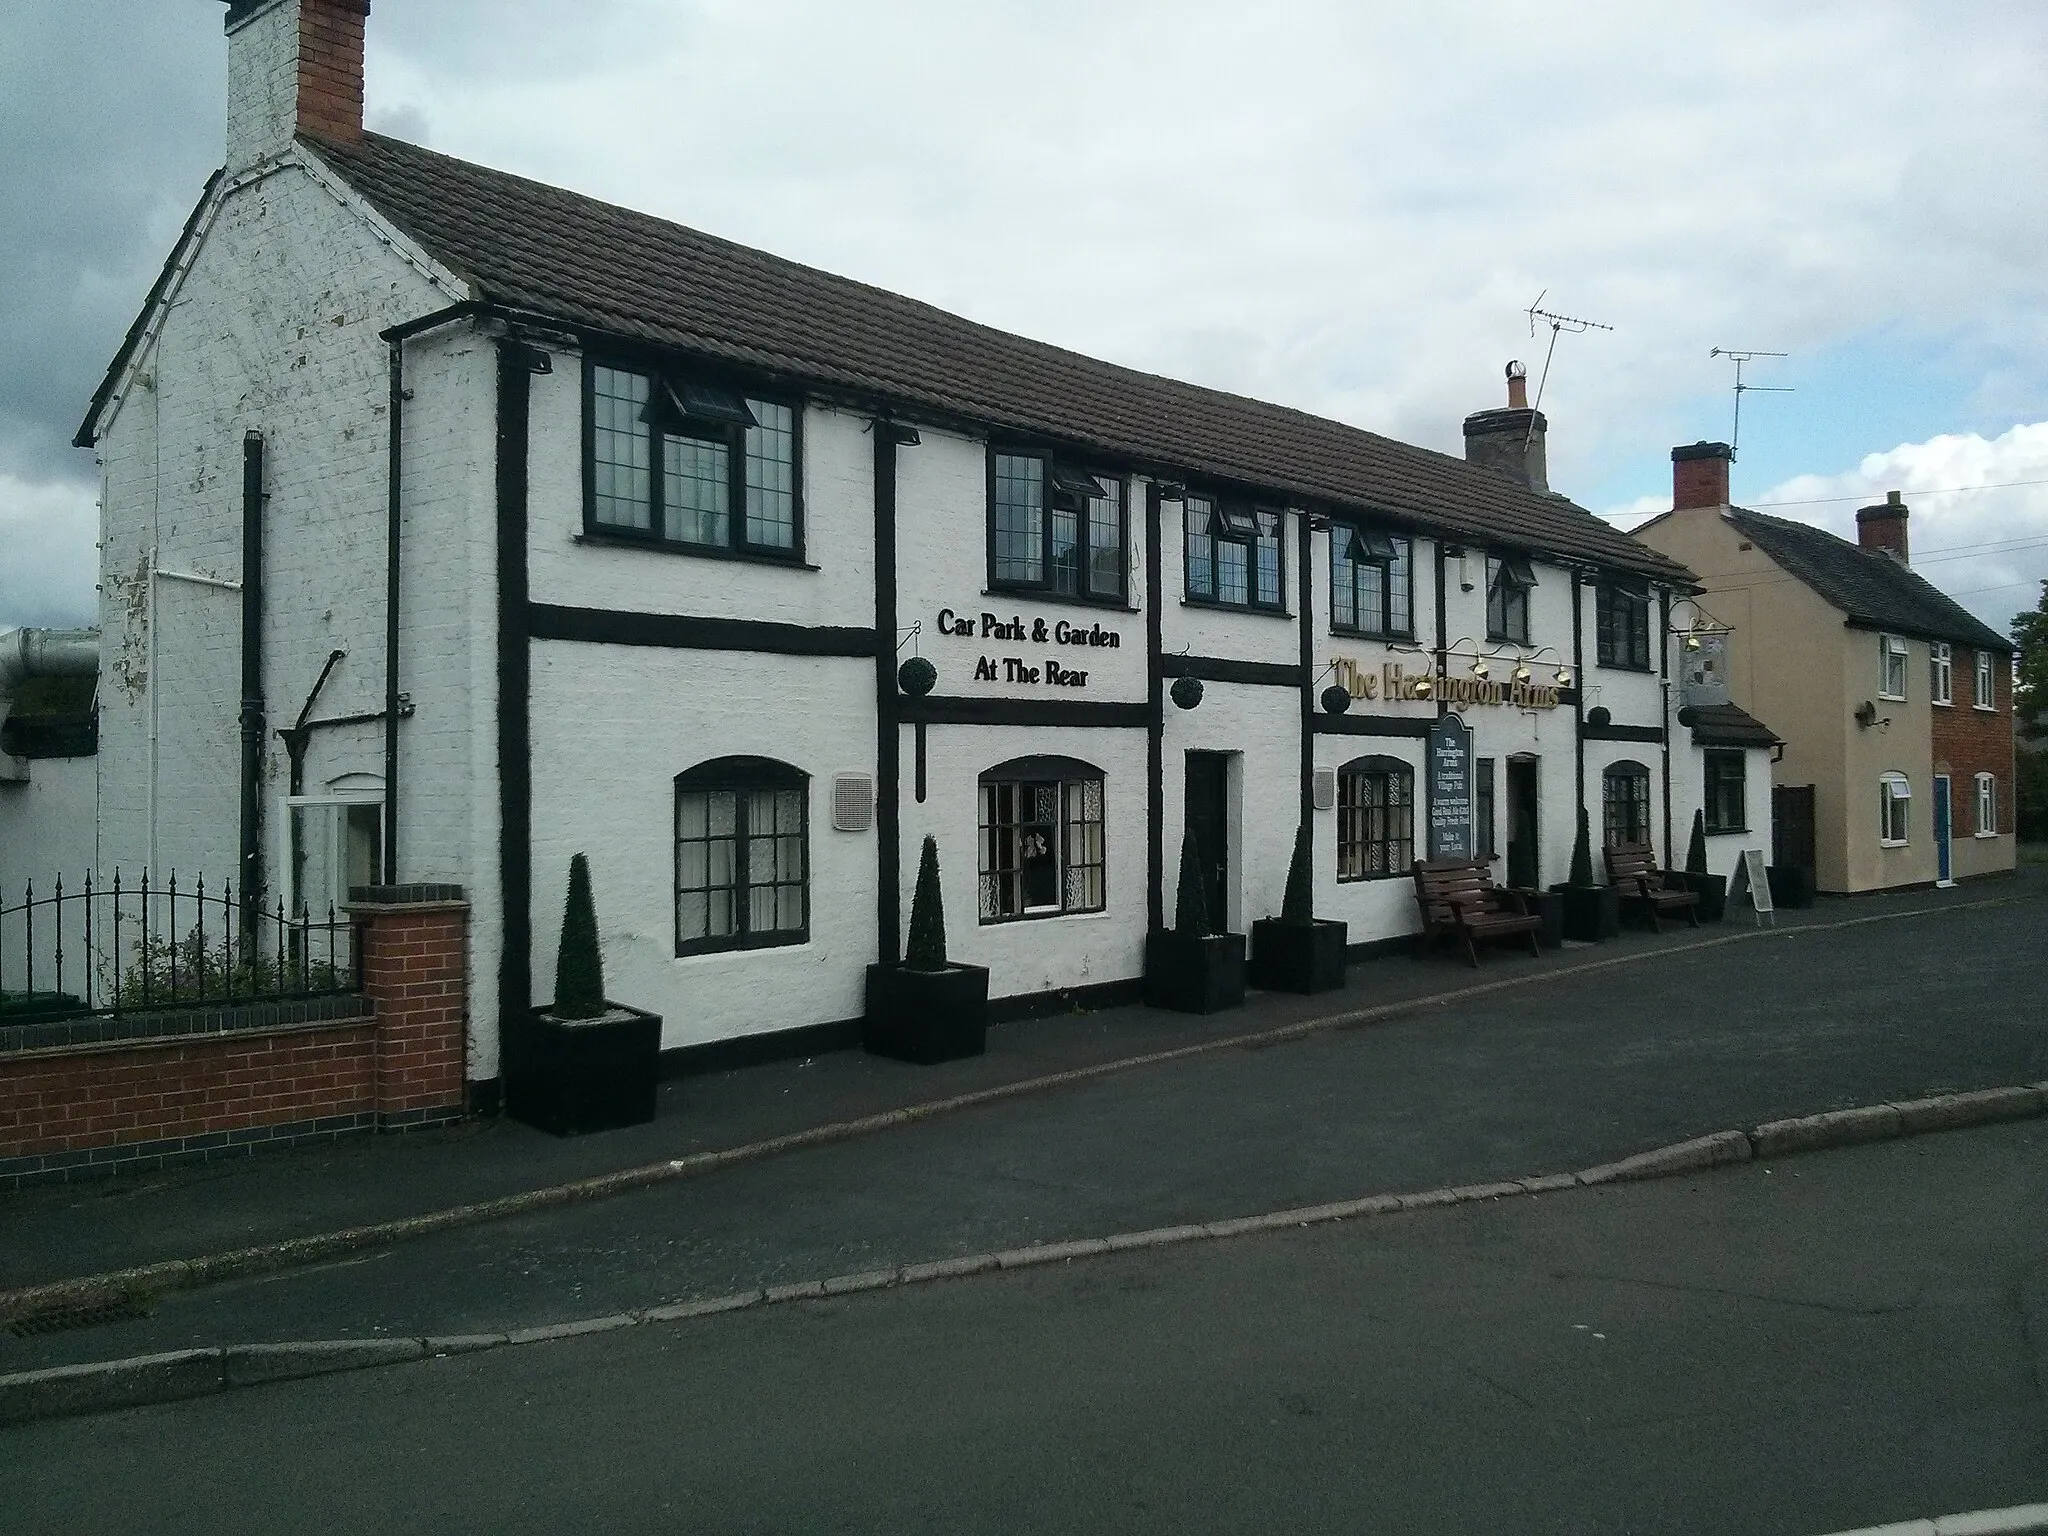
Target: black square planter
[578,1075]
[1791,885]
[1194,973]
[1548,905]
[1297,957]
[926,1016]
[1712,891]
[1591,912]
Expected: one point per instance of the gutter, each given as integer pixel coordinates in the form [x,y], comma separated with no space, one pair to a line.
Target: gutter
[26,653]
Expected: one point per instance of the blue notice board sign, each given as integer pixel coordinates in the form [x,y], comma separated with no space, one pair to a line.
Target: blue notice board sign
[1450,789]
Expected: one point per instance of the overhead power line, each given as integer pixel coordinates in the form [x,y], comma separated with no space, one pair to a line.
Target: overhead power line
[1953,490]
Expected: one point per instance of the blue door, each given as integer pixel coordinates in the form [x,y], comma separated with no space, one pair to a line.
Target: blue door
[1941,823]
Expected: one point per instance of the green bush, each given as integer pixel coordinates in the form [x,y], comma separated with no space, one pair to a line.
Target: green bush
[1191,903]
[1582,852]
[178,973]
[579,965]
[1298,905]
[926,949]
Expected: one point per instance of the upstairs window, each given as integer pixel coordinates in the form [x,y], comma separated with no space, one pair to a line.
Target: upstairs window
[1370,582]
[1232,553]
[1042,848]
[1622,624]
[1055,529]
[690,464]
[1891,667]
[742,855]
[1625,804]
[1940,673]
[1508,583]
[1987,805]
[1984,694]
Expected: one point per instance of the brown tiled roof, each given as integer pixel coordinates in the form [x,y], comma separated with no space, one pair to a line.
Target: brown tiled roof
[1727,725]
[531,246]
[1868,585]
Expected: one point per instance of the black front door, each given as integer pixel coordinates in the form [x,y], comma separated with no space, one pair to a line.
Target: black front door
[1208,825]
[1523,819]
[1792,826]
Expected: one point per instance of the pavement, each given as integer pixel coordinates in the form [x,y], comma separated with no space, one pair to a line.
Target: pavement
[1444,1077]
[1852,1339]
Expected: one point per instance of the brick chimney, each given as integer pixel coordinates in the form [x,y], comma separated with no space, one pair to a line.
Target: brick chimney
[294,66]
[1510,440]
[1884,527]
[1699,475]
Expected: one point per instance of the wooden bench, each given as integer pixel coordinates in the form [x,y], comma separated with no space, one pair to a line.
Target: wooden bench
[1633,868]
[1458,897]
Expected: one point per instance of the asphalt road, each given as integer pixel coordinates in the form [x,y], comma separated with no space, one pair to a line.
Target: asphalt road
[1794,1348]
[1541,1079]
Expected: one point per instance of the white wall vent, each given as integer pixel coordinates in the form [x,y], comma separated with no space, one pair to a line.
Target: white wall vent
[1326,789]
[853,802]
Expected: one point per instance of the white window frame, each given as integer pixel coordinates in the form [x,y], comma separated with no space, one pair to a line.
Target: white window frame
[336,799]
[1983,688]
[1941,672]
[1894,795]
[1892,658]
[1987,805]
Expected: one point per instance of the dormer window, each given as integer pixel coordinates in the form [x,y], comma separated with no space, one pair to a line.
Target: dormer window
[1509,579]
[1232,553]
[689,463]
[1622,623]
[1055,528]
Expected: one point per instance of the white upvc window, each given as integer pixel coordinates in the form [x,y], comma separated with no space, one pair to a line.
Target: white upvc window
[1891,667]
[1987,805]
[330,842]
[1941,672]
[1894,800]
[1986,696]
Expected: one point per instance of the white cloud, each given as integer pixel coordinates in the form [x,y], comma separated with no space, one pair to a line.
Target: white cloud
[1979,512]
[50,563]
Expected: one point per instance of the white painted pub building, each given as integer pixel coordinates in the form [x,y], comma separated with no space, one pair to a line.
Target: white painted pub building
[559,528]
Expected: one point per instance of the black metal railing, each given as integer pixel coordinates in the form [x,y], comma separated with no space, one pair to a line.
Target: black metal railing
[137,947]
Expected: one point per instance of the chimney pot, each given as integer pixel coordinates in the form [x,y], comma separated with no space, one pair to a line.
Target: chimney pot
[1518,387]
[1699,475]
[1510,440]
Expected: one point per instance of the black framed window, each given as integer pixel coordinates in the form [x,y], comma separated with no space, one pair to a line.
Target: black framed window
[742,855]
[1042,845]
[1508,582]
[692,465]
[1371,582]
[1625,803]
[1725,809]
[1375,818]
[1055,528]
[1622,625]
[1232,553]
[1484,844]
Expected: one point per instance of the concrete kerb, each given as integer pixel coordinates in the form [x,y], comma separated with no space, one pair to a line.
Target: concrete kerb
[100,1387]
[184,1274]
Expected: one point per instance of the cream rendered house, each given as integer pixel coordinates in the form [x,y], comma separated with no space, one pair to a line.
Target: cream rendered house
[1894,703]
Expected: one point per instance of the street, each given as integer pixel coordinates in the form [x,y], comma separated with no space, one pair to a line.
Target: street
[1795,1348]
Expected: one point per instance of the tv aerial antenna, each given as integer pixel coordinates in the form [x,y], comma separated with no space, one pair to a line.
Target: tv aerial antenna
[1739,357]
[1559,325]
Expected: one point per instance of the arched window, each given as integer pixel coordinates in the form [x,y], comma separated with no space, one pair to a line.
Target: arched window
[1625,803]
[1375,818]
[1042,850]
[742,855]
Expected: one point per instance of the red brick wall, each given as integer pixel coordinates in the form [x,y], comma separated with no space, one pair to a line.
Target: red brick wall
[415,970]
[74,1101]
[331,68]
[1974,741]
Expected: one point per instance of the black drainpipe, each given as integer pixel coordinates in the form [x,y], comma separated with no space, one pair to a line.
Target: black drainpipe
[1155,720]
[1305,586]
[250,865]
[1664,685]
[394,463]
[1579,692]
[515,738]
[888,734]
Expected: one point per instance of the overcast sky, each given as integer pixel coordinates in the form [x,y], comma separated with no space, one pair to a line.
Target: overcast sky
[1345,205]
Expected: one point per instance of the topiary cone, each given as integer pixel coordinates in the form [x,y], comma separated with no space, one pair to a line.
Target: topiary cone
[579,967]
[926,948]
[1696,851]
[1298,905]
[1582,852]
[1191,903]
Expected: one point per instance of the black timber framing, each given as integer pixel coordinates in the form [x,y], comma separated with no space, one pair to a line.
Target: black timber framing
[1610,732]
[1155,721]
[1416,727]
[515,734]
[1224,669]
[680,632]
[936,710]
